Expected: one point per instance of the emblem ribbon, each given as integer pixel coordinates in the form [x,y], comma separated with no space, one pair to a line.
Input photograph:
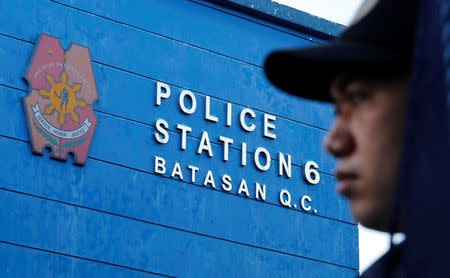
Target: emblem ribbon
[63,134]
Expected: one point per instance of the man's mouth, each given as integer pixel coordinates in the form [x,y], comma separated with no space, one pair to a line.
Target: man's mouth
[346,182]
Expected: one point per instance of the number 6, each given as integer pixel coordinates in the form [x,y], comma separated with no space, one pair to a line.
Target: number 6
[310,168]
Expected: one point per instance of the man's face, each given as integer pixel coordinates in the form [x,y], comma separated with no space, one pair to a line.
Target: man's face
[367,140]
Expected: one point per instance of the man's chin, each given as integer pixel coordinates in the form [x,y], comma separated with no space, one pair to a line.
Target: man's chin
[370,219]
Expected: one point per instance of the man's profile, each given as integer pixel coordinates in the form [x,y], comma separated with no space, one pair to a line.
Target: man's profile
[365,72]
[366,138]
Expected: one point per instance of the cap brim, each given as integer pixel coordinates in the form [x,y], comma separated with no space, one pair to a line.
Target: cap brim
[308,72]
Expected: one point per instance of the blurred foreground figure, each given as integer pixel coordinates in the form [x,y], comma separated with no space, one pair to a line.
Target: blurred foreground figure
[385,76]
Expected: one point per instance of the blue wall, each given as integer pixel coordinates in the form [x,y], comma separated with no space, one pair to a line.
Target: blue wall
[116,217]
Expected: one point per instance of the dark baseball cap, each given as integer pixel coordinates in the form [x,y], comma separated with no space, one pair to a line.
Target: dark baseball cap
[378,42]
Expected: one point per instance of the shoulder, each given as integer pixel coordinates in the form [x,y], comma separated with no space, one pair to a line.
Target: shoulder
[388,263]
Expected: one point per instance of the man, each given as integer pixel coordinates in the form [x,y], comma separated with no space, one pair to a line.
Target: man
[365,73]
[366,138]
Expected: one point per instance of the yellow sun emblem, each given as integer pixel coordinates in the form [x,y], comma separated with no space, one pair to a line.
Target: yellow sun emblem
[62,98]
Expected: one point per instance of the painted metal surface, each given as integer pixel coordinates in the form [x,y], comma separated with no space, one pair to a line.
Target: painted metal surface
[116,216]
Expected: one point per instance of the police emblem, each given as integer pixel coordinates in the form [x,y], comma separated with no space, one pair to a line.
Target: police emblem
[58,106]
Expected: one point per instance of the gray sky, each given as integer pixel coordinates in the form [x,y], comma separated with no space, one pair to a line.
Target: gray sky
[372,244]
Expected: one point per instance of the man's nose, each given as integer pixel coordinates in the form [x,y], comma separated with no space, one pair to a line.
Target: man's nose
[339,141]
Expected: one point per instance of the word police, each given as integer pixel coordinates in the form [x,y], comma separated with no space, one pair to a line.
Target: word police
[261,157]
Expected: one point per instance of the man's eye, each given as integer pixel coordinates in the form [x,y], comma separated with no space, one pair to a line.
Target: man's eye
[350,101]
[356,97]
